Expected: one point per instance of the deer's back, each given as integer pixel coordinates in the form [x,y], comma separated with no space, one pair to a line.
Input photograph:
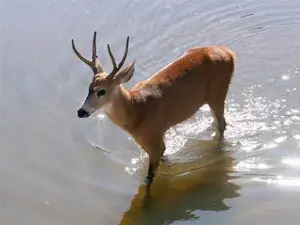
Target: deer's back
[178,90]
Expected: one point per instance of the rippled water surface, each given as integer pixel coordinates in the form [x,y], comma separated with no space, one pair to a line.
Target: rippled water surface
[57,169]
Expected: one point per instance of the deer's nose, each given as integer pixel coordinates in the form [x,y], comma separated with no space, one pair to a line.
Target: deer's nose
[81,113]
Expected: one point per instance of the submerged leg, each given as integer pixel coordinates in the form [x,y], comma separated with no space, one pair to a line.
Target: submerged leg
[155,152]
[218,113]
[153,165]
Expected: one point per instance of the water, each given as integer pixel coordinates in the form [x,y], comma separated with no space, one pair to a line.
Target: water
[57,169]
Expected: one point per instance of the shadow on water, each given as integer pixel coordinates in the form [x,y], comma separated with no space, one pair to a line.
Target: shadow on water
[176,197]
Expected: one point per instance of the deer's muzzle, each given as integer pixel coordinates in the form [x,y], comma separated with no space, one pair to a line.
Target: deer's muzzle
[81,113]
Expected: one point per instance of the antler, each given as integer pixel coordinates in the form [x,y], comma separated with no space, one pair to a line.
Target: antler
[115,67]
[95,63]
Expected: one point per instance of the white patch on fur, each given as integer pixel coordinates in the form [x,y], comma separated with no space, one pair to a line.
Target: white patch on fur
[107,108]
[149,91]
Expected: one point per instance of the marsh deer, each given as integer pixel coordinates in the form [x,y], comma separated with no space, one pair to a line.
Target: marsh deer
[146,111]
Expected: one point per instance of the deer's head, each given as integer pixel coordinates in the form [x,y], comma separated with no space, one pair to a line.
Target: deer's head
[104,86]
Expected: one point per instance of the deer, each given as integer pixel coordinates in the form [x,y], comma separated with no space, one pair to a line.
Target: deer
[172,95]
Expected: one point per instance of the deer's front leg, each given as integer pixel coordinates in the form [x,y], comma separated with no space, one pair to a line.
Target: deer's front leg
[155,150]
[153,165]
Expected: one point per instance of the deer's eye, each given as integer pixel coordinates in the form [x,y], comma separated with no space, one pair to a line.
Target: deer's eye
[101,93]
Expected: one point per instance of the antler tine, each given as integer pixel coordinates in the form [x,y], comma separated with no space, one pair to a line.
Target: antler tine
[115,67]
[125,54]
[95,63]
[80,56]
[112,58]
[94,56]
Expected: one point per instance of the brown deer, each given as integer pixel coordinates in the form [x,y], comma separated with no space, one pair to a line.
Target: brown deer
[172,95]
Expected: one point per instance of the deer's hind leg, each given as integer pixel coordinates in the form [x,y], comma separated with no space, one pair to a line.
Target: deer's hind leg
[218,114]
[216,101]
[216,96]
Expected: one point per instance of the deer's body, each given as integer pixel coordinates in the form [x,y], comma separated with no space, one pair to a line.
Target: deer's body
[201,76]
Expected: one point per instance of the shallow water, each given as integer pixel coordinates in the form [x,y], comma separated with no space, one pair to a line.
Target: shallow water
[57,169]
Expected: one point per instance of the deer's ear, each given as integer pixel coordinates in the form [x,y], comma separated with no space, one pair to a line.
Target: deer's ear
[124,75]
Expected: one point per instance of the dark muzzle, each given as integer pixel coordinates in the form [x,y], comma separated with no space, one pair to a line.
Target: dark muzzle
[81,113]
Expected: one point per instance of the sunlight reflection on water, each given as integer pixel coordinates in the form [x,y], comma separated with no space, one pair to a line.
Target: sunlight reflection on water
[279,180]
[294,162]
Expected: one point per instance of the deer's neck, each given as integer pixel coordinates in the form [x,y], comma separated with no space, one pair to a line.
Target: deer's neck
[121,109]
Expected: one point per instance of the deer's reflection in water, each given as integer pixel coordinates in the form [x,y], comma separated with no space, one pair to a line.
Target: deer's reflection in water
[183,187]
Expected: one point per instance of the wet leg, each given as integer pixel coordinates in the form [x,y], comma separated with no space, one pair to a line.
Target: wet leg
[153,165]
[218,114]
[155,153]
